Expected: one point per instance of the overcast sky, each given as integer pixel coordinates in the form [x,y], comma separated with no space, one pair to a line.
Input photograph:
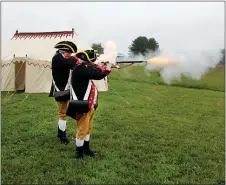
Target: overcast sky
[174,25]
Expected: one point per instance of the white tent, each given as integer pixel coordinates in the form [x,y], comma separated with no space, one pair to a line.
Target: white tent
[26,61]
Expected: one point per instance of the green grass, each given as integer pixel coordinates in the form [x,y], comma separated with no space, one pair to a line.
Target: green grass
[143,133]
[213,80]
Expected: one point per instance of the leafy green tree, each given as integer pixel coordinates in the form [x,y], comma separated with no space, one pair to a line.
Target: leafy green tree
[142,45]
[222,61]
[153,45]
[98,47]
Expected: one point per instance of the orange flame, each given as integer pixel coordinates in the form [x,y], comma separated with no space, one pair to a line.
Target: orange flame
[161,60]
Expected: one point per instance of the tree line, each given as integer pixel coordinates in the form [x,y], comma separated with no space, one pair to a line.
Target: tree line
[142,46]
[139,46]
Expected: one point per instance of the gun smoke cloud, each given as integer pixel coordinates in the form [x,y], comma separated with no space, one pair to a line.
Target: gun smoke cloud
[191,64]
[110,53]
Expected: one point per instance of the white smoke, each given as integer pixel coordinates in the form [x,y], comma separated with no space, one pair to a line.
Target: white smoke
[110,53]
[191,64]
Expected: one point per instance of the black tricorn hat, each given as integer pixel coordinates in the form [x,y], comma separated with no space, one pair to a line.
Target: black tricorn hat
[87,55]
[66,46]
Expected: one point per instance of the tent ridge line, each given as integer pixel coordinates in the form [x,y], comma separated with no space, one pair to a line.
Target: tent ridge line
[29,63]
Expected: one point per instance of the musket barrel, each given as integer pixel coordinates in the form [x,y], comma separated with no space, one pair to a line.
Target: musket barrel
[130,62]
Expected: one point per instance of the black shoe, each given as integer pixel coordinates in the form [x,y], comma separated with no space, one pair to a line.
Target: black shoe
[79,152]
[87,150]
[62,135]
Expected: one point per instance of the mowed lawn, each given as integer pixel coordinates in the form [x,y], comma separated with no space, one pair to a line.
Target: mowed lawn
[143,132]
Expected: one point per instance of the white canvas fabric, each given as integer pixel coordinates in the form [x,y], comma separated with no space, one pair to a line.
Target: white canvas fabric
[41,81]
[8,77]
[102,85]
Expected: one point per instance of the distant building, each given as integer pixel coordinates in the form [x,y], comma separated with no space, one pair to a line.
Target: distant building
[120,57]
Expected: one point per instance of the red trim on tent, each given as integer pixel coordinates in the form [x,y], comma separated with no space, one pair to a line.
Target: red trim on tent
[34,35]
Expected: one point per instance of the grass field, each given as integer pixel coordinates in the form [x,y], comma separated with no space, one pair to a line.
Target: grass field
[144,132]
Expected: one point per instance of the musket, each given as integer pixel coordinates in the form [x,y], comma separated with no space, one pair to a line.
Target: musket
[130,62]
[125,62]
